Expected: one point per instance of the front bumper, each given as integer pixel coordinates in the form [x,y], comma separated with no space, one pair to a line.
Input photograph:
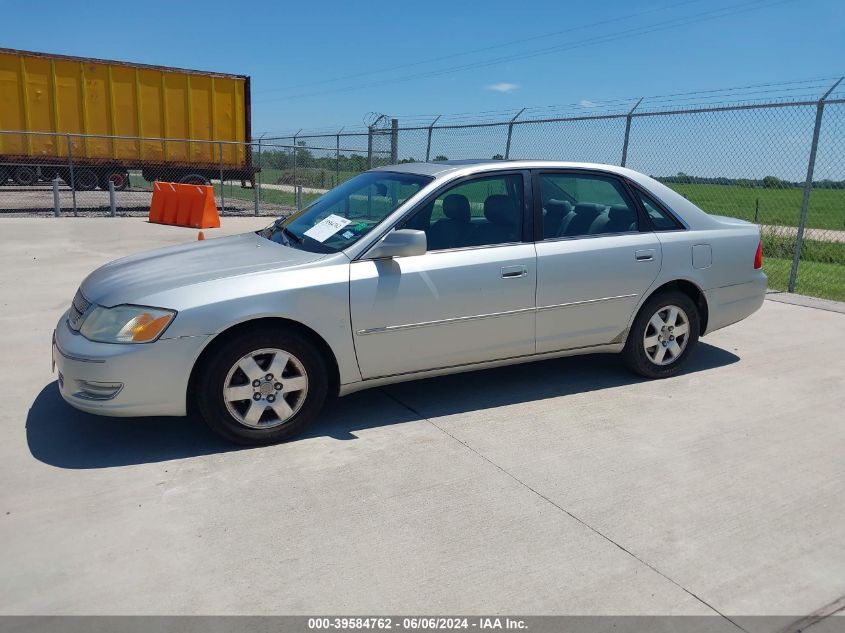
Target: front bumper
[122,379]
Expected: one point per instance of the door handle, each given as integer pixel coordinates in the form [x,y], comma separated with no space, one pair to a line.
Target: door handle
[645,255]
[514,272]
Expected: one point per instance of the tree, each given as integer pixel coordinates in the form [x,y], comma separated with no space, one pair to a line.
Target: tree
[498,157]
[440,157]
[772,182]
[304,157]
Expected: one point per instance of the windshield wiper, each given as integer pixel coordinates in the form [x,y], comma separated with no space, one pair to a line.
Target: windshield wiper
[290,234]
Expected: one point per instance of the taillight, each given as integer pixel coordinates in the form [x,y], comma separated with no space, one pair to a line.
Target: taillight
[758,256]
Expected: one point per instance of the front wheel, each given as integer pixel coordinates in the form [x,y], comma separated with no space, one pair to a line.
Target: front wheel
[262,387]
[663,335]
[86,179]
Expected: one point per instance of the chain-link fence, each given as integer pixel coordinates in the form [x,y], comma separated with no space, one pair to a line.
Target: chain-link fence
[780,165]
[78,174]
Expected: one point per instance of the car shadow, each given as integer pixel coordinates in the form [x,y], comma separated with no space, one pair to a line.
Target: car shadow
[61,436]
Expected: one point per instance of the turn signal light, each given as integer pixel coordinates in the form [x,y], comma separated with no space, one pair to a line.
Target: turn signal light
[758,256]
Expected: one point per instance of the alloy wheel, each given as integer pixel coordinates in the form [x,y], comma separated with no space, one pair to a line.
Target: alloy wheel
[265,388]
[666,335]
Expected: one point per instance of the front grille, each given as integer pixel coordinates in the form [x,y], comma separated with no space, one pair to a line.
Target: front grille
[78,307]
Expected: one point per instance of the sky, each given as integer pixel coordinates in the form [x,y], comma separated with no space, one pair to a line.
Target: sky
[328,64]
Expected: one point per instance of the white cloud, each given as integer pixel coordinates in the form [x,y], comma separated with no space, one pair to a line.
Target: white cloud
[586,103]
[503,87]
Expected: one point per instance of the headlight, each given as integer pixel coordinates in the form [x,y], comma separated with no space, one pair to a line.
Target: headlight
[125,324]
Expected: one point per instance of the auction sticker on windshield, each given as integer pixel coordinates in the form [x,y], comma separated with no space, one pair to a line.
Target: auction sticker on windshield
[327,227]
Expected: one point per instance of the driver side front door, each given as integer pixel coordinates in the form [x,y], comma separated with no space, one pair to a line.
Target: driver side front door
[469,299]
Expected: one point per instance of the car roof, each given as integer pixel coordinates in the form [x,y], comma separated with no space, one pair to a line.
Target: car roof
[440,169]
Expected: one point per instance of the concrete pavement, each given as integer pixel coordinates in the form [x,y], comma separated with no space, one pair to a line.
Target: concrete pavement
[562,487]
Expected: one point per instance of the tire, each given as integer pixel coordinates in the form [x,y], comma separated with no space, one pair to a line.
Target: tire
[194,179]
[85,179]
[652,361]
[304,386]
[48,174]
[4,174]
[24,175]
[119,177]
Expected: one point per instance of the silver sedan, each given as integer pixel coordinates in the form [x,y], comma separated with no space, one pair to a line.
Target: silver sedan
[404,272]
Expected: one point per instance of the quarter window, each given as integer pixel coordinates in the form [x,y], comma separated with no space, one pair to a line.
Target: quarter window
[478,212]
[662,221]
[583,204]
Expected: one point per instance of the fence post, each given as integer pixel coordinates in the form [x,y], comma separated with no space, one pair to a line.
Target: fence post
[57,203]
[257,182]
[510,134]
[369,147]
[294,158]
[298,195]
[628,120]
[70,169]
[428,146]
[112,201]
[808,187]
[337,158]
[222,192]
[394,141]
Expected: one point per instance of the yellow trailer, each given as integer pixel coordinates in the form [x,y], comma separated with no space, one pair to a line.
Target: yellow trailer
[109,116]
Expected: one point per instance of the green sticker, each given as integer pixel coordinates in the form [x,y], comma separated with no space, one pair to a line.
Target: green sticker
[360,226]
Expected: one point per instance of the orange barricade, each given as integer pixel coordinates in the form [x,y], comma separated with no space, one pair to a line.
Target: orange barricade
[184,205]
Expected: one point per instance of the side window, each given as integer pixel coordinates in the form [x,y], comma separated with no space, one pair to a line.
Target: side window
[583,204]
[662,221]
[477,212]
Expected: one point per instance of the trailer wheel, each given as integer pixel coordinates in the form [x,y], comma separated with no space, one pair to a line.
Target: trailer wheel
[194,179]
[120,178]
[24,175]
[49,173]
[85,179]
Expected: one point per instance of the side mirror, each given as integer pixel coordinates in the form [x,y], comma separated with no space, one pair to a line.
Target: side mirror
[400,243]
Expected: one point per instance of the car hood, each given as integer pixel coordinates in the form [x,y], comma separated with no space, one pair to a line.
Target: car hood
[130,279]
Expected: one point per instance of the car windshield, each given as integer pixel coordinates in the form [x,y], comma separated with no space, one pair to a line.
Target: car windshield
[345,214]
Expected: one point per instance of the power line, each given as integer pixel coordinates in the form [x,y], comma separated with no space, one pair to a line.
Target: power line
[705,97]
[432,60]
[643,30]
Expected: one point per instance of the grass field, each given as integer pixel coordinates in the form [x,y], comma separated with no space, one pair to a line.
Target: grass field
[268,196]
[319,178]
[815,279]
[776,206]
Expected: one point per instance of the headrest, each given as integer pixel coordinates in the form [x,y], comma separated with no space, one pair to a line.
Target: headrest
[456,207]
[588,211]
[620,213]
[500,209]
[558,207]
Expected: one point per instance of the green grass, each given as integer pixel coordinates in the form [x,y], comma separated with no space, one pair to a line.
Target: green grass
[318,178]
[776,206]
[268,196]
[815,279]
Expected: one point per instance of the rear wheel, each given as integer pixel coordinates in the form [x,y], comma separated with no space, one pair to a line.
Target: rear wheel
[24,175]
[194,179]
[120,178]
[262,387]
[663,335]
